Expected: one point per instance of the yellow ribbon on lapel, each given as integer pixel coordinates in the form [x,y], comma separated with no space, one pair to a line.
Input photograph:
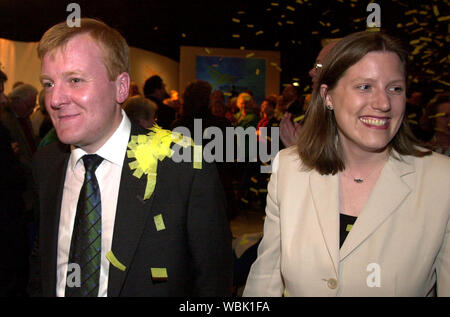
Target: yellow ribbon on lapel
[113,260]
[148,149]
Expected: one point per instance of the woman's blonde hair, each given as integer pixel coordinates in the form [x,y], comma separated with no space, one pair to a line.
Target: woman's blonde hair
[318,144]
[115,48]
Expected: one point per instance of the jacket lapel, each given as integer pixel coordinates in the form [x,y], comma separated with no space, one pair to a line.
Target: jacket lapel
[131,215]
[49,226]
[325,196]
[388,193]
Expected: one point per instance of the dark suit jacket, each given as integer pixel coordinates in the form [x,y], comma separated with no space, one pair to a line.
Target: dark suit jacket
[194,247]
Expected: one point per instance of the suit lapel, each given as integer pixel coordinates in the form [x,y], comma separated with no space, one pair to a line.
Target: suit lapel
[49,226]
[388,193]
[131,215]
[325,196]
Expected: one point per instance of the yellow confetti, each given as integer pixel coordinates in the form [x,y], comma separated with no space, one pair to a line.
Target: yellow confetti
[413,122]
[249,55]
[257,72]
[245,201]
[254,180]
[254,190]
[290,22]
[290,8]
[274,4]
[148,150]
[411,12]
[236,36]
[435,10]
[159,273]
[259,32]
[335,31]
[250,26]
[159,222]
[207,50]
[442,19]
[412,115]
[236,20]
[299,118]
[437,115]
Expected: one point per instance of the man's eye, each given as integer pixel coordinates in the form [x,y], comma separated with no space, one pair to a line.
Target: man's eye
[396,89]
[364,87]
[47,84]
[76,80]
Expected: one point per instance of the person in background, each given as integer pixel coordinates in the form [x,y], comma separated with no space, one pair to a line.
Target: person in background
[436,119]
[3,79]
[155,90]
[289,130]
[141,111]
[246,117]
[356,208]
[134,89]
[13,222]
[16,118]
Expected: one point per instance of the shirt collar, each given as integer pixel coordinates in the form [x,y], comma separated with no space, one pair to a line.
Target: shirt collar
[113,150]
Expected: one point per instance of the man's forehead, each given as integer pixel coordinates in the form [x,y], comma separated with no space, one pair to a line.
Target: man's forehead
[325,50]
[78,43]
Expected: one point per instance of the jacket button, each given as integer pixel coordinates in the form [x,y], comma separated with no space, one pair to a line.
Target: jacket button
[332,283]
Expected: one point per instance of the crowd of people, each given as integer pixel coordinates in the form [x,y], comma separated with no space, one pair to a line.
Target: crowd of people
[318,129]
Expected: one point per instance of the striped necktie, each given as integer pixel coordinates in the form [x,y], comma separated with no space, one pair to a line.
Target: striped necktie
[85,246]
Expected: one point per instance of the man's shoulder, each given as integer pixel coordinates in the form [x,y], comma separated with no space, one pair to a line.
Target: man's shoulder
[50,152]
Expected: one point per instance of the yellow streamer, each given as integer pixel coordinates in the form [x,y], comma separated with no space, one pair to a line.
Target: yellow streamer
[151,148]
[113,260]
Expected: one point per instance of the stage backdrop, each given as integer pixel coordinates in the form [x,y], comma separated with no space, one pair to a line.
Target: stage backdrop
[232,70]
[20,62]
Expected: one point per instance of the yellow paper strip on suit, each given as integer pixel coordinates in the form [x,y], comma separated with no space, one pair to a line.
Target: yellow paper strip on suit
[113,260]
[159,222]
[197,156]
[159,273]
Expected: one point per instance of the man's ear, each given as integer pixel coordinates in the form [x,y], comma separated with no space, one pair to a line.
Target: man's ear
[122,87]
[326,97]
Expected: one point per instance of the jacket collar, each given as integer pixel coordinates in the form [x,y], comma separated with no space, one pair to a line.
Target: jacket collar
[388,193]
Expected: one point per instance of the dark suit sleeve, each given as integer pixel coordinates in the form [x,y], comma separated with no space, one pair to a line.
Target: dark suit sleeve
[209,234]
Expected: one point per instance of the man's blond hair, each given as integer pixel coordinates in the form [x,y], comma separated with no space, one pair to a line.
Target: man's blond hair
[115,48]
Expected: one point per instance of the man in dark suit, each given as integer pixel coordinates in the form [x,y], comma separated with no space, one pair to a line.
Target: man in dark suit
[169,239]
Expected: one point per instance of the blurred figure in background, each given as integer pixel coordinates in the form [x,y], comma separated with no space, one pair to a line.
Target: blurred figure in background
[436,119]
[155,90]
[141,111]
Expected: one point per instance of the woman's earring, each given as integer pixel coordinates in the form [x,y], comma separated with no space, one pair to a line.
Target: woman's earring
[329,107]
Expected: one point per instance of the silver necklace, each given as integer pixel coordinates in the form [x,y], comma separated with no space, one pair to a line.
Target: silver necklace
[360,180]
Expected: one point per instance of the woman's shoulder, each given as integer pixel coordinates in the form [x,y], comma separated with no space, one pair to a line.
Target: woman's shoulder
[289,159]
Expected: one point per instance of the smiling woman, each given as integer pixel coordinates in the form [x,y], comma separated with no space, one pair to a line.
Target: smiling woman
[343,200]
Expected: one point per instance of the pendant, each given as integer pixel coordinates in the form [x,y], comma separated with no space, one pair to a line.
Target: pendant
[358,180]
